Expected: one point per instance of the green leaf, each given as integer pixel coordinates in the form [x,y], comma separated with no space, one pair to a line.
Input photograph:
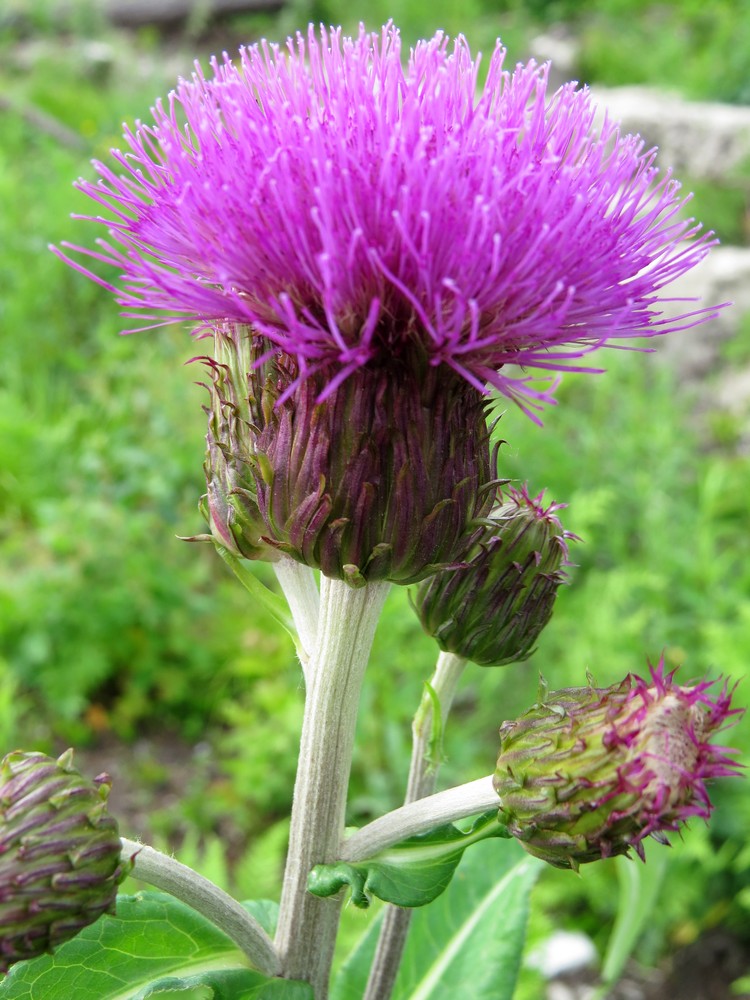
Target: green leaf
[265,911]
[273,603]
[469,942]
[178,989]
[351,980]
[232,984]
[479,928]
[156,947]
[413,873]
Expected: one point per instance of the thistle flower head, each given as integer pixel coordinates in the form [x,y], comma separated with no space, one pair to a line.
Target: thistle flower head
[386,478]
[59,854]
[589,772]
[351,206]
[493,607]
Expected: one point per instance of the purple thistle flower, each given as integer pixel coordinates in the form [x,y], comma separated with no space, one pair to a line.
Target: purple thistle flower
[591,772]
[351,211]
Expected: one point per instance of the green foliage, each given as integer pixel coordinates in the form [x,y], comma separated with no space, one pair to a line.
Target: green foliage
[107,621]
[684,45]
[413,873]
[470,938]
[92,609]
[637,898]
[415,18]
[154,947]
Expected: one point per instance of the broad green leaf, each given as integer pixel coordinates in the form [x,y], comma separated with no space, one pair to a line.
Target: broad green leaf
[178,989]
[265,911]
[156,947]
[471,940]
[468,942]
[235,984]
[413,873]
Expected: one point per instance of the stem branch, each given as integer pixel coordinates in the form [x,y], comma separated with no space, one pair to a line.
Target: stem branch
[208,899]
[427,732]
[301,591]
[471,799]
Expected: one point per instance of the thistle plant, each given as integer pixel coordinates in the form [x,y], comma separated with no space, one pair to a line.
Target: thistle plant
[370,248]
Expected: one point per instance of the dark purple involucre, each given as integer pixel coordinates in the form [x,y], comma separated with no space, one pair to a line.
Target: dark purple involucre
[351,209]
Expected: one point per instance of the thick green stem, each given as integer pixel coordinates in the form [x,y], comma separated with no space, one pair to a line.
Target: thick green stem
[307,924]
[427,738]
[183,883]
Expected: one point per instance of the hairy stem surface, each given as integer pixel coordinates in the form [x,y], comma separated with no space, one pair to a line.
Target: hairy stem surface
[460,802]
[202,895]
[301,591]
[307,924]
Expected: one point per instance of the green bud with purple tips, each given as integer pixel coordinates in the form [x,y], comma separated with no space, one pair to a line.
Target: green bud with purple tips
[59,854]
[230,503]
[492,608]
[589,773]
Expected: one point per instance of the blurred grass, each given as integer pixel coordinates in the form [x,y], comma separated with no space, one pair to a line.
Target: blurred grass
[110,624]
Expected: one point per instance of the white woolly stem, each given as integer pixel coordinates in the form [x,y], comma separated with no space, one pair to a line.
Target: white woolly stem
[307,924]
[427,736]
[471,799]
[301,591]
[202,895]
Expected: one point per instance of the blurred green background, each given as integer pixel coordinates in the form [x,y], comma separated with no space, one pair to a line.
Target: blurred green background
[139,649]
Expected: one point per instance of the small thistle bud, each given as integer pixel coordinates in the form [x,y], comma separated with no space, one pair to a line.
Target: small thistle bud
[492,609]
[59,854]
[588,773]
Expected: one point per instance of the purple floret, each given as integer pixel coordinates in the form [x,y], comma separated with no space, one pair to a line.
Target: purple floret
[353,209]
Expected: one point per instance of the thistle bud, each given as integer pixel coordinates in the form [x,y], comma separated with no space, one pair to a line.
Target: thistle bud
[589,773]
[492,609]
[382,477]
[59,854]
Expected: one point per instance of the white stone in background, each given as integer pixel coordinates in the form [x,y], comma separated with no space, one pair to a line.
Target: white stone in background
[563,952]
[97,53]
[561,991]
[705,140]
[723,276]
[560,48]
[701,140]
